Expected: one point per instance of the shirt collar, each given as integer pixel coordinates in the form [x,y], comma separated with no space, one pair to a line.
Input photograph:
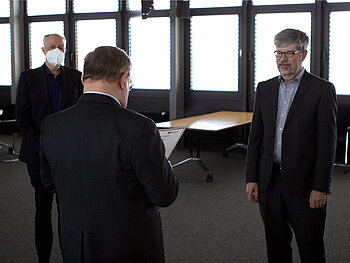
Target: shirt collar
[48,72]
[102,93]
[297,77]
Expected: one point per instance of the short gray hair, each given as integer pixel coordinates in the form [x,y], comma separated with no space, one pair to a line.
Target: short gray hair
[292,36]
[107,63]
[48,35]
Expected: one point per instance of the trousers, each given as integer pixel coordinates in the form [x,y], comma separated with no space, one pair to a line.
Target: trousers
[284,213]
[43,218]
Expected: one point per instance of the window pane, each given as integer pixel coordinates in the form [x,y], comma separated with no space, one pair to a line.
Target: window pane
[282,2]
[5,8]
[150,52]
[93,6]
[46,7]
[5,54]
[161,4]
[265,30]
[214,53]
[103,32]
[216,3]
[338,71]
[157,4]
[37,32]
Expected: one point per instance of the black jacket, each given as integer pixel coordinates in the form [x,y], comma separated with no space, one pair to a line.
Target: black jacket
[108,169]
[308,138]
[34,104]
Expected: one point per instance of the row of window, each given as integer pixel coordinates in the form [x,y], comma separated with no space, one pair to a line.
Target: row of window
[41,7]
[214,43]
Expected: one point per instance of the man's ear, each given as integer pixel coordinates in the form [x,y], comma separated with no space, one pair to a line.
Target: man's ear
[43,50]
[304,55]
[82,79]
[122,81]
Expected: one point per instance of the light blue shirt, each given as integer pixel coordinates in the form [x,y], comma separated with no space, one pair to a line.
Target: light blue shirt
[286,95]
[102,93]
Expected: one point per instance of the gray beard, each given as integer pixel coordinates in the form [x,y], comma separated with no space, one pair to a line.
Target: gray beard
[287,72]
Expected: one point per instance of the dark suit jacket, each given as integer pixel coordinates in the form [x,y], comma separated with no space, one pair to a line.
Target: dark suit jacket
[108,169]
[34,104]
[308,138]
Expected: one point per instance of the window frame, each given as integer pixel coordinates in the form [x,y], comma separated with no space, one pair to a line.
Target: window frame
[200,100]
[5,89]
[332,7]
[146,99]
[180,100]
[276,9]
[6,20]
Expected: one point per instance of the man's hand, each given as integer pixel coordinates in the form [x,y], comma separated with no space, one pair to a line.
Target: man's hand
[252,192]
[317,199]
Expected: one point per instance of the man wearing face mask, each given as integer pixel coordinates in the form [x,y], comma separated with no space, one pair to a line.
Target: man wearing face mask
[41,92]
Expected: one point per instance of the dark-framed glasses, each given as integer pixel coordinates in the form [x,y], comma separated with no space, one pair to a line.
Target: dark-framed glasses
[131,84]
[288,54]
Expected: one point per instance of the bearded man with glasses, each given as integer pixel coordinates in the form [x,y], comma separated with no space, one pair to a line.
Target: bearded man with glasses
[291,152]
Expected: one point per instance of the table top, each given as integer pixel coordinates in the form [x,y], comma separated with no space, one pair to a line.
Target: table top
[8,121]
[215,121]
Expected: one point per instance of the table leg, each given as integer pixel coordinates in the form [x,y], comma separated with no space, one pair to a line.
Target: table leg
[346,151]
[10,149]
[196,159]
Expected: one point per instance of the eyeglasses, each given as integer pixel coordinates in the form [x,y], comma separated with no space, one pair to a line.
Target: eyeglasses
[288,54]
[131,84]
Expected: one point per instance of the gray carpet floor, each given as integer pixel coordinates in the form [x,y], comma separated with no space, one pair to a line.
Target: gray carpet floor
[209,222]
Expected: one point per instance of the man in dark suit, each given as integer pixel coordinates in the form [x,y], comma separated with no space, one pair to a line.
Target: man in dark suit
[41,92]
[291,153]
[108,168]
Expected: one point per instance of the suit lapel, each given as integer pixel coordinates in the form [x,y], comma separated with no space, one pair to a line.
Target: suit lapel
[45,91]
[303,87]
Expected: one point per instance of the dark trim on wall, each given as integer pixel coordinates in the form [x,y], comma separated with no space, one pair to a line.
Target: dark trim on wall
[157,100]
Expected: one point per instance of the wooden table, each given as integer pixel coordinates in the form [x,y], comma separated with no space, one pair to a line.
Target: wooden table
[212,122]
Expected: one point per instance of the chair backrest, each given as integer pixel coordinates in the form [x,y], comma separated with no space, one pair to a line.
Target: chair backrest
[156,116]
[7,111]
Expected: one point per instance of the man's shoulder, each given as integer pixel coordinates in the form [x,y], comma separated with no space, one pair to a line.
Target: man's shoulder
[268,83]
[137,116]
[34,71]
[51,120]
[55,118]
[316,80]
[132,119]
[71,70]
[274,79]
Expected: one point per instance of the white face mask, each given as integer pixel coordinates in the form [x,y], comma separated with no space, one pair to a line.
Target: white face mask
[54,57]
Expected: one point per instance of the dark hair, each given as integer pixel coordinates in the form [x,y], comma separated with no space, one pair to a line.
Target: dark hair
[107,63]
[292,36]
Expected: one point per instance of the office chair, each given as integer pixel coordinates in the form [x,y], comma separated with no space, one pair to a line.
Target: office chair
[8,125]
[343,129]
